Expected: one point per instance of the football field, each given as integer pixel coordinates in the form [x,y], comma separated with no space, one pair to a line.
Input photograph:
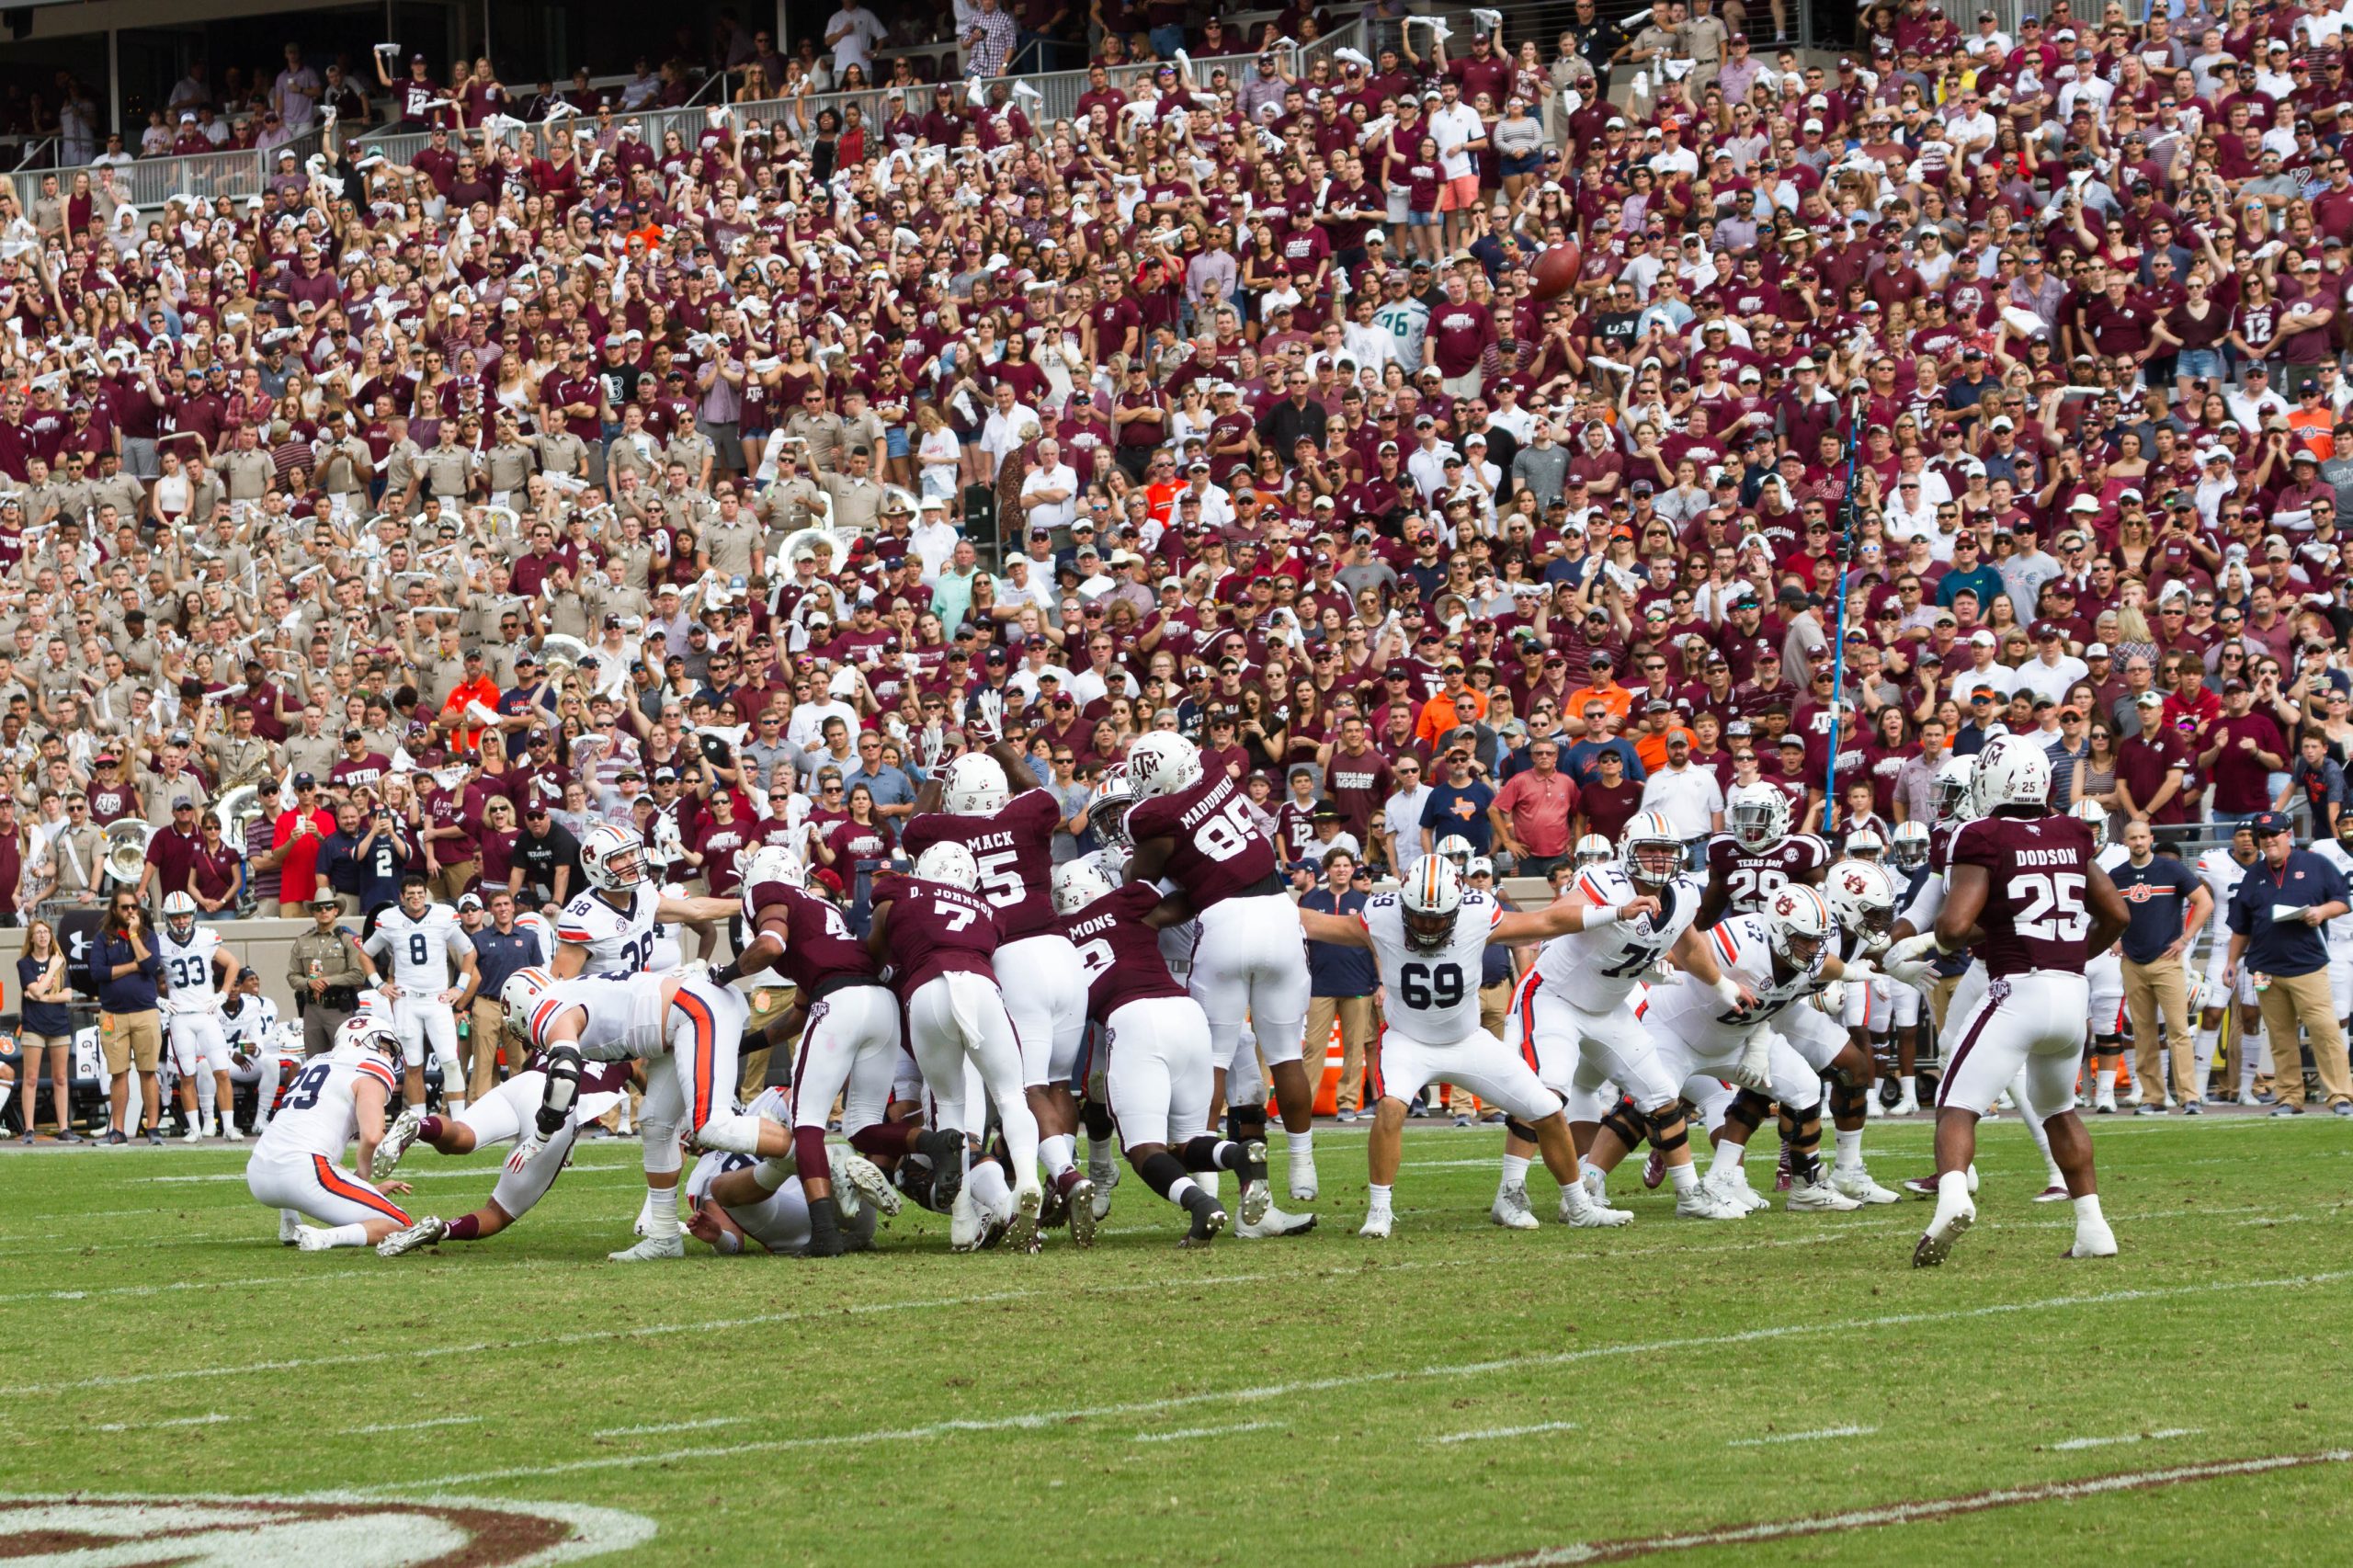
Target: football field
[1781,1389]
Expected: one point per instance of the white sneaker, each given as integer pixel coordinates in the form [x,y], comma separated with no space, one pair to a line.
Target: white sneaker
[1510,1209]
[2249,1097]
[651,1248]
[1275,1222]
[1819,1198]
[289,1227]
[1910,1104]
[229,1130]
[1590,1216]
[1701,1202]
[966,1223]
[1936,1243]
[424,1233]
[1303,1185]
[1376,1225]
[1028,1199]
[1856,1182]
[2104,1103]
[859,1179]
[315,1240]
[2093,1239]
[195,1133]
[397,1140]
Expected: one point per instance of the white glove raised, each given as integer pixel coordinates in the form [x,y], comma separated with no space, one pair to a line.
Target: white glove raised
[527,1149]
[1908,960]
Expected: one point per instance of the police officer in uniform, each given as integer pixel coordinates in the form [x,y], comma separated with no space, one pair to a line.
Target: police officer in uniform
[324,968]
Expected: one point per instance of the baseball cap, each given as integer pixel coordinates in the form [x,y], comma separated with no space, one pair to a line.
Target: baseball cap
[2267,824]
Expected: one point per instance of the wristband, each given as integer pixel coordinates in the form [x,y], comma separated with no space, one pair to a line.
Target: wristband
[1599,916]
[1728,991]
[726,973]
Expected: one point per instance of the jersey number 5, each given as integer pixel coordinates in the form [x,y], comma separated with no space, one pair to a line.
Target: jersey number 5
[1001,878]
[2050,906]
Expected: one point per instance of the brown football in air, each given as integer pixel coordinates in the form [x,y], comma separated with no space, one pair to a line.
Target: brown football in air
[1554,271]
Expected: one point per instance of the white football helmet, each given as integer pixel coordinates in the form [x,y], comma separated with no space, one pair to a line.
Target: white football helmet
[374,1035]
[1954,793]
[1649,851]
[1862,895]
[949,863]
[1432,896]
[612,857]
[179,916]
[2094,814]
[1078,883]
[1455,850]
[773,863]
[2011,771]
[1864,844]
[1594,851]
[1911,846]
[1107,809]
[1161,764]
[520,994]
[973,786]
[1800,920]
[1759,815]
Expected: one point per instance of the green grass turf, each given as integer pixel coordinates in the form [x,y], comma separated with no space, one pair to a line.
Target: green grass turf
[810,1408]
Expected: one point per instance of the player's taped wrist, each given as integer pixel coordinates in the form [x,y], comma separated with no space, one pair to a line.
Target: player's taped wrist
[1728,991]
[1601,916]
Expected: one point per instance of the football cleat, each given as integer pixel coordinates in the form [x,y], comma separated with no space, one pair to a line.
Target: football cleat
[195,1133]
[1733,1187]
[1936,1243]
[229,1130]
[966,1223]
[1052,1209]
[2055,1193]
[397,1140]
[290,1228]
[1926,1187]
[1703,1202]
[313,1239]
[1593,1216]
[1029,1200]
[1376,1225]
[1207,1223]
[651,1249]
[2093,1239]
[1856,1182]
[1597,1186]
[1102,1202]
[857,1180]
[1080,1203]
[944,1147]
[1653,1170]
[1274,1223]
[425,1233]
[1510,1209]
[1819,1198]
[1257,1203]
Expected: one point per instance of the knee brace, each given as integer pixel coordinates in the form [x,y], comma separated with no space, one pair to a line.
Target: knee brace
[1095,1116]
[1669,1128]
[1747,1113]
[562,1087]
[1245,1122]
[1848,1101]
[1519,1130]
[662,1154]
[1620,1122]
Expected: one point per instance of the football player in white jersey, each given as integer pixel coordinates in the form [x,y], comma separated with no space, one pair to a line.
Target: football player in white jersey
[737,1199]
[339,1097]
[499,1116]
[421,937]
[613,926]
[2104,1023]
[688,1032]
[1428,938]
[1832,1033]
[1574,1014]
[191,956]
[990,802]
[1780,956]
[257,1054]
[2220,869]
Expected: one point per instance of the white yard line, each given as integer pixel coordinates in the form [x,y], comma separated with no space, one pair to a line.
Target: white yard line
[1906,1513]
[214,1419]
[1188,1433]
[1521,1364]
[1801,1436]
[1492,1432]
[2159,1435]
[671,1427]
[420,1425]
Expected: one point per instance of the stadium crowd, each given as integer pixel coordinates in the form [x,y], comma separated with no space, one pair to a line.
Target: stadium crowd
[427,511]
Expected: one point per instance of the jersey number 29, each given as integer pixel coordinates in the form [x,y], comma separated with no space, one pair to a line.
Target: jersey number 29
[305,1092]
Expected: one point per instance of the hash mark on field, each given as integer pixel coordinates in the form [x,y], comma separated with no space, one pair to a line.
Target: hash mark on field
[1801,1436]
[420,1425]
[1906,1513]
[1480,1437]
[1191,1432]
[671,1427]
[2159,1435]
[1038,1420]
[215,1419]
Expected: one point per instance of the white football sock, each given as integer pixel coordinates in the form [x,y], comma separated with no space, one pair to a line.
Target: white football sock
[989,1189]
[1726,1162]
[1302,1144]
[661,1212]
[2087,1210]
[1952,1194]
[1380,1197]
[348,1237]
[1515,1169]
[1850,1149]
[1685,1176]
[207,1094]
[1058,1153]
